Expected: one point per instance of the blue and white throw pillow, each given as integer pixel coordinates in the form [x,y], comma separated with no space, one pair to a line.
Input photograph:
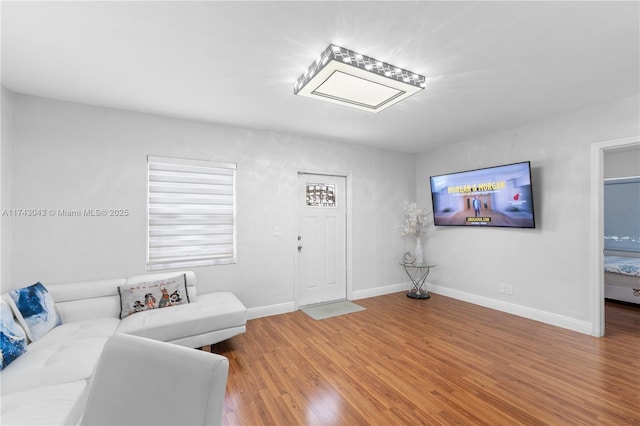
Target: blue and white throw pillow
[35,310]
[13,340]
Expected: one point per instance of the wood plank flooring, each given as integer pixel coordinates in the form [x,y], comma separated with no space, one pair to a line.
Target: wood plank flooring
[440,361]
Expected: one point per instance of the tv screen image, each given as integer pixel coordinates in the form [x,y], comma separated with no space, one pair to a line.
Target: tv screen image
[495,196]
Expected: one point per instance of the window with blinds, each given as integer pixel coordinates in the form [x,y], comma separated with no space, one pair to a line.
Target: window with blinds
[191,213]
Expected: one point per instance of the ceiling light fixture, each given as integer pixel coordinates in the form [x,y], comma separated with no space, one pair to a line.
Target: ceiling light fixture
[348,78]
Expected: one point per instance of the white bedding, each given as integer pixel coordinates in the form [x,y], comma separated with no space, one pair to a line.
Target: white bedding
[622,265]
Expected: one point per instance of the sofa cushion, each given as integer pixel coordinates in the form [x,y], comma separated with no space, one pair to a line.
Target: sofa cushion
[85,290]
[13,340]
[35,310]
[153,294]
[49,405]
[211,311]
[80,301]
[67,353]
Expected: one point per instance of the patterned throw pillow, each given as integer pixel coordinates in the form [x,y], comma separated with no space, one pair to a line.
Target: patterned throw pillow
[35,310]
[13,340]
[152,295]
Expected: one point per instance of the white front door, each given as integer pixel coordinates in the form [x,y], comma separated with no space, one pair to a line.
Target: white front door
[321,239]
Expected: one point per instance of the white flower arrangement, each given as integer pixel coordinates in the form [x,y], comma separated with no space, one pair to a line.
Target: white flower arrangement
[416,222]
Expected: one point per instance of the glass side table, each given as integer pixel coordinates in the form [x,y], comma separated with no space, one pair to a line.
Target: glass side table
[418,274]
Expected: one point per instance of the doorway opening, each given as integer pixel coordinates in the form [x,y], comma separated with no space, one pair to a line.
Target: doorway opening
[598,151]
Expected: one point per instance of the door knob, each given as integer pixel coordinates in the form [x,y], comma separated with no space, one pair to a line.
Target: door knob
[299,248]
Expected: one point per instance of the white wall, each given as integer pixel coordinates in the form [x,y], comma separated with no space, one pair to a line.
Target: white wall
[5,188]
[71,156]
[623,162]
[548,267]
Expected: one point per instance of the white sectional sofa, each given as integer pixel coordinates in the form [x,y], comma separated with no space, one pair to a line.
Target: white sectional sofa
[49,384]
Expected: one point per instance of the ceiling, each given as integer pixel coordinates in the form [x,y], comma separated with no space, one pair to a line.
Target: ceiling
[490,66]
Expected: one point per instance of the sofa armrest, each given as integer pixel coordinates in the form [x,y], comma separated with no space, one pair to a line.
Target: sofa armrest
[139,381]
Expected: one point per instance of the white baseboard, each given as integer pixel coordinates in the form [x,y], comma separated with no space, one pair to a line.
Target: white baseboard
[511,308]
[267,311]
[380,291]
[499,305]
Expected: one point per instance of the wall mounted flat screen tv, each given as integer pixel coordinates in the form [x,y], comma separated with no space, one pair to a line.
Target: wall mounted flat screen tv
[495,196]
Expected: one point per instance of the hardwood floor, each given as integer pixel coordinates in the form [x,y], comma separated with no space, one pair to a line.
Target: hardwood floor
[438,361]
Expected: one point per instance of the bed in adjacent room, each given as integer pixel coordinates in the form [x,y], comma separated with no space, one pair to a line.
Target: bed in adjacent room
[622,278]
[622,236]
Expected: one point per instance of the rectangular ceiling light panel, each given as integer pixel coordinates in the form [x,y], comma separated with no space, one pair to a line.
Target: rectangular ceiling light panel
[348,78]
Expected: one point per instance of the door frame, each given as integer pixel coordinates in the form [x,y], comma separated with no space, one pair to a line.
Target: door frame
[597,228]
[348,224]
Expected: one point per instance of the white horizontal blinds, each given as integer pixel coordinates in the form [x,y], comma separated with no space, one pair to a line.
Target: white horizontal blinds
[191,213]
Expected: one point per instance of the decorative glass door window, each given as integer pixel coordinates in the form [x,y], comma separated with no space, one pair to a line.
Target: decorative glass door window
[321,195]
